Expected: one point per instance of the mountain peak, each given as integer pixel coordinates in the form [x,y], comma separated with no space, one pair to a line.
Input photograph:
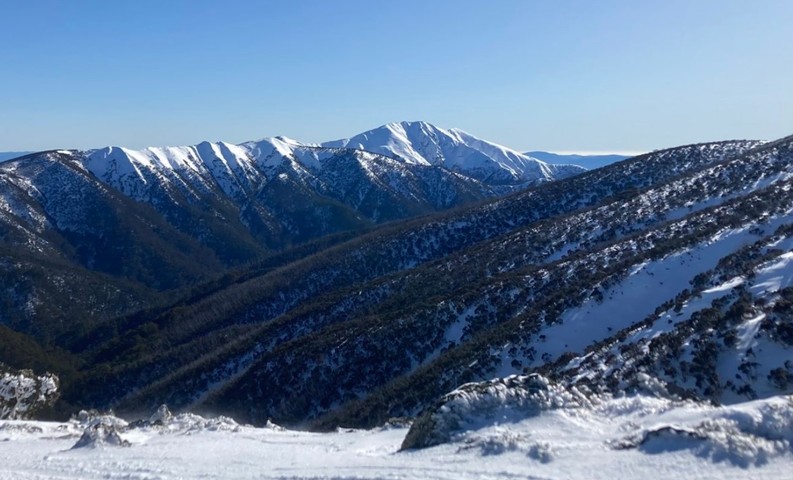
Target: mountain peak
[286,140]
[421,143]
[416,124]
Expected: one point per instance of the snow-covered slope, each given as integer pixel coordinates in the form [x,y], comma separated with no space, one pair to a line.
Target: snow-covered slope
[727,336]
[424,144]
[437,302]
[629,438]
[745,435]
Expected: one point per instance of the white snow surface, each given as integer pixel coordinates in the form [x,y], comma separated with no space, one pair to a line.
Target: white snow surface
[648,285]
[750,440]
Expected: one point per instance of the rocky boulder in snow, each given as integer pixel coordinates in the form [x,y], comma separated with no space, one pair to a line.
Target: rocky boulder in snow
[162,416]
[99,435]
[100,429]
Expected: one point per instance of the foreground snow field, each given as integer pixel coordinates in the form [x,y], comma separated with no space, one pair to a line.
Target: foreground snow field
[619,438]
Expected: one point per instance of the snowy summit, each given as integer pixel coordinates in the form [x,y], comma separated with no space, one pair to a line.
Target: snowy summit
[425,144]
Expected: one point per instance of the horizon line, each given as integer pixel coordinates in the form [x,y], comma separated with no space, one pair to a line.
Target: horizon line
[587,153]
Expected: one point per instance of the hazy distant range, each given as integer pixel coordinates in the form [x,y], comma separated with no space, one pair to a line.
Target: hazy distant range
[586,161]
[9,155]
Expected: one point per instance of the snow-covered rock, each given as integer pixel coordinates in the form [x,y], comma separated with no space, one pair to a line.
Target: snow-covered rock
[99,429]
[99,435]
[162,416]
[165,422]
[92,418]
[190,423]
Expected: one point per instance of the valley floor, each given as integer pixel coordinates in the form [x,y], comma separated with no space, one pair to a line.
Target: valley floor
[750,440]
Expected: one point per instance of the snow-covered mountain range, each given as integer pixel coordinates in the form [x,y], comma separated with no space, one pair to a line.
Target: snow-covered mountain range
[391,157]
[420,143]
[146,277]
[240,171]
[276,191]
[381,325]
[144,215]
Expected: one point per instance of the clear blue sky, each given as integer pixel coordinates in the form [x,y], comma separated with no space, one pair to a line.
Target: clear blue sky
[547,74]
